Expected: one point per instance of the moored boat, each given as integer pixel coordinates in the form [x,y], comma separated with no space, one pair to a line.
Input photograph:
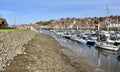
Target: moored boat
[107,46]
[90,41]
[83,41]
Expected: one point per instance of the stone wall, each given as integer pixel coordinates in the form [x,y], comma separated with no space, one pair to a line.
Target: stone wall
[11,45]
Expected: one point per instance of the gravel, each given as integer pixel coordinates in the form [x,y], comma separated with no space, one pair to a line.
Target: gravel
[11,45]
[40,55]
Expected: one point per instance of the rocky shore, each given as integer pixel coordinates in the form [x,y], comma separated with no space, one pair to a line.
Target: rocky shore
[37,52]
[11,45]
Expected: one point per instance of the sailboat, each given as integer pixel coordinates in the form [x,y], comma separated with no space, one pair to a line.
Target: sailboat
[105,45]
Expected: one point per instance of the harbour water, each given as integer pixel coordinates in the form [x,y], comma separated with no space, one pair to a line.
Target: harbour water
[106,60]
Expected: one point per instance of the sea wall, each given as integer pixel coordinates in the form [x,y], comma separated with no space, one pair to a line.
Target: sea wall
[11,44]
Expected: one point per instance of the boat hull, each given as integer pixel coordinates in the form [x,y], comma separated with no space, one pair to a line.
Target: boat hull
[90,43]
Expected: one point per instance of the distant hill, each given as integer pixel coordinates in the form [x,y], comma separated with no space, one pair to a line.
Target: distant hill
[3,23]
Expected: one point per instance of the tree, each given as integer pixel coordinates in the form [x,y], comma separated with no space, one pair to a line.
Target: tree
[95,20]
[44,22]
[101,19]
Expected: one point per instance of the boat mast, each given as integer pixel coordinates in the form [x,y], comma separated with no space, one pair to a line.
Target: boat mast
[98,31]
[117,23]
[107,20]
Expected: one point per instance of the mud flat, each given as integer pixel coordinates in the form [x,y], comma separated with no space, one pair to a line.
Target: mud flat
[44,54]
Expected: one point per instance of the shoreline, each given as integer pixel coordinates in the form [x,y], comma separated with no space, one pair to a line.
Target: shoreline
[44,53]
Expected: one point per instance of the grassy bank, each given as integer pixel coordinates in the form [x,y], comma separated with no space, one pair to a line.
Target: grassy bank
[9,30]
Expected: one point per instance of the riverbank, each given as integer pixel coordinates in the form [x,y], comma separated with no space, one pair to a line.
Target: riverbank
[44,54]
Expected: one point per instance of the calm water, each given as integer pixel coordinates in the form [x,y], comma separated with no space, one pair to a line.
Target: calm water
[107,60]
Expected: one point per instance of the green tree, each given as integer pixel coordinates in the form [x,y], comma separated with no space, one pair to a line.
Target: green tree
[95,20]
[44,22]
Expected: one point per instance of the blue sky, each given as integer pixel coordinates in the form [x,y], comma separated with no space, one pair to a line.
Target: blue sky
[30,11]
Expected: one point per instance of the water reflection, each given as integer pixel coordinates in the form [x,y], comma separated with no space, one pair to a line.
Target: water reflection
[107,54]
[98,58]
[118,58]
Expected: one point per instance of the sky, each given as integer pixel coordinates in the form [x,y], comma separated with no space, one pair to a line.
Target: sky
[31,11]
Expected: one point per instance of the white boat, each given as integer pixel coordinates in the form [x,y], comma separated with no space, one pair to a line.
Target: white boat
[83,41]
[117,42]
[109,40]
[94,38]
[114,40]
[107,46]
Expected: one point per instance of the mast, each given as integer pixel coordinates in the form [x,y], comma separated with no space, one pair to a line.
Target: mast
[98,31]
[107,12]
[117,23]
[107,20]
